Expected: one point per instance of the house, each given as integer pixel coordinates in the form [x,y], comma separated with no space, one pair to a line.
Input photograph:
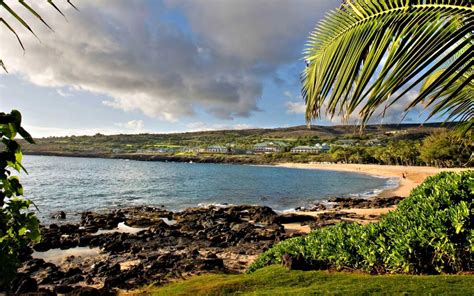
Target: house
[311,149]
[217,149]
[324,147]
[190,150]
[304,149]
[269,147]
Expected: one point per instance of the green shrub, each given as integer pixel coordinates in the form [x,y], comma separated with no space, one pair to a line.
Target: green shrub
[430,232]
[18,226]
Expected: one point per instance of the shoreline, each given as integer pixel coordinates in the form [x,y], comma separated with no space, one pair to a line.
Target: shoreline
[414,175]
[408,178]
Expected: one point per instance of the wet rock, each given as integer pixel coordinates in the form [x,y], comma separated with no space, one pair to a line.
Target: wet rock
[314,208]
[108,270]
[73,271]
[85,291]
[159,226]
[68,228]
[72,280]
[103,221]
[365,203]
[61,215]
[42,246]
[293,218]
[194,243]
[24,284]
[34,265]
[63,289]
[67,243]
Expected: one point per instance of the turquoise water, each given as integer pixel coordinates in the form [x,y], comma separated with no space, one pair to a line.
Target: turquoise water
[79,184]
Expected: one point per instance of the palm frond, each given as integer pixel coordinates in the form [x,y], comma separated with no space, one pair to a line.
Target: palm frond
[3,66]
[366,51]
[24,23]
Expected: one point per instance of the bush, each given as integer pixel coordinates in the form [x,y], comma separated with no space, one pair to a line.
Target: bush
[18,226]
[430,232]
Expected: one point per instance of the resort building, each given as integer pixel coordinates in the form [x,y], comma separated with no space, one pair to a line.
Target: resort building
[312,149]
[217,149]
[324,147]
[269,147]
[304,149]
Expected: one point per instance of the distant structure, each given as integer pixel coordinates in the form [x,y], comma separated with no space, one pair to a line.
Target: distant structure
[400,132]
[373,142]
[346,143]
[217,149]
[311,149]
[269,147]
[304,149]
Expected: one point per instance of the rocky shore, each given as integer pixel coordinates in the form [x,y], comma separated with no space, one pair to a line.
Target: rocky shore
[125,249]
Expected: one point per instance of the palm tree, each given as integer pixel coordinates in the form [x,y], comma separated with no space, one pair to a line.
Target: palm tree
[366,55]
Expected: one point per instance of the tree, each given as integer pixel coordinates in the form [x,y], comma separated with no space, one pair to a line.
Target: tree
[369,53]
[446,150]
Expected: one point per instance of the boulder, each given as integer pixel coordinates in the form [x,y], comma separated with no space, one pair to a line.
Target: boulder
[61,215]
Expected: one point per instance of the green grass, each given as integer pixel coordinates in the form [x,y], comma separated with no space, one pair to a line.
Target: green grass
[276,280]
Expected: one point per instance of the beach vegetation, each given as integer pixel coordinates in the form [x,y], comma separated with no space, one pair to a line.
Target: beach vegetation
[444,149]
[18,225]
[430,232]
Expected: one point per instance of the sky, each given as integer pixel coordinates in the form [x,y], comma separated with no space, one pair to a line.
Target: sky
[162,66]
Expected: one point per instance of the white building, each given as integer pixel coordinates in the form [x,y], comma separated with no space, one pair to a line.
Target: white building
[217,149]
[312,149]
[269,147]
[324,147]
[304,149]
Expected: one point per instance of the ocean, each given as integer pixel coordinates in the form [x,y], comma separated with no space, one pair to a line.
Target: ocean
[74,185]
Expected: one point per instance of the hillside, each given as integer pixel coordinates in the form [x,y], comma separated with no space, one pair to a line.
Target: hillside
[245,139]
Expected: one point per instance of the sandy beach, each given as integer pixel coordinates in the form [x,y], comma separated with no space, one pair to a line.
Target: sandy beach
[414,175]
[408,178]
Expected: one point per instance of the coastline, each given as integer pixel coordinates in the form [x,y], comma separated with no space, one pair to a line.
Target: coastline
[408,178]
[414,175]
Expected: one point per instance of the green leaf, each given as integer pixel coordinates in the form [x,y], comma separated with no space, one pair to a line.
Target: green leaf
[360,55]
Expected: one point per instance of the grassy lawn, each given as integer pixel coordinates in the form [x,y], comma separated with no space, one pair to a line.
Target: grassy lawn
[278,280]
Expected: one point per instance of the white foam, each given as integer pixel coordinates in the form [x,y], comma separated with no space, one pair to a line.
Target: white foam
[122,228]
[57,256]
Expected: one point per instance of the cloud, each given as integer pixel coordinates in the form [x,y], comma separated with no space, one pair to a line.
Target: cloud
[202,126]
[135,54]
[63,93]
[394,114]
[295,108]
[135,126]
[295,104]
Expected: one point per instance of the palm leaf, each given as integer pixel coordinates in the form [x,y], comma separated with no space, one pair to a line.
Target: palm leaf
[3,66]
[23,22]
[363,53]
